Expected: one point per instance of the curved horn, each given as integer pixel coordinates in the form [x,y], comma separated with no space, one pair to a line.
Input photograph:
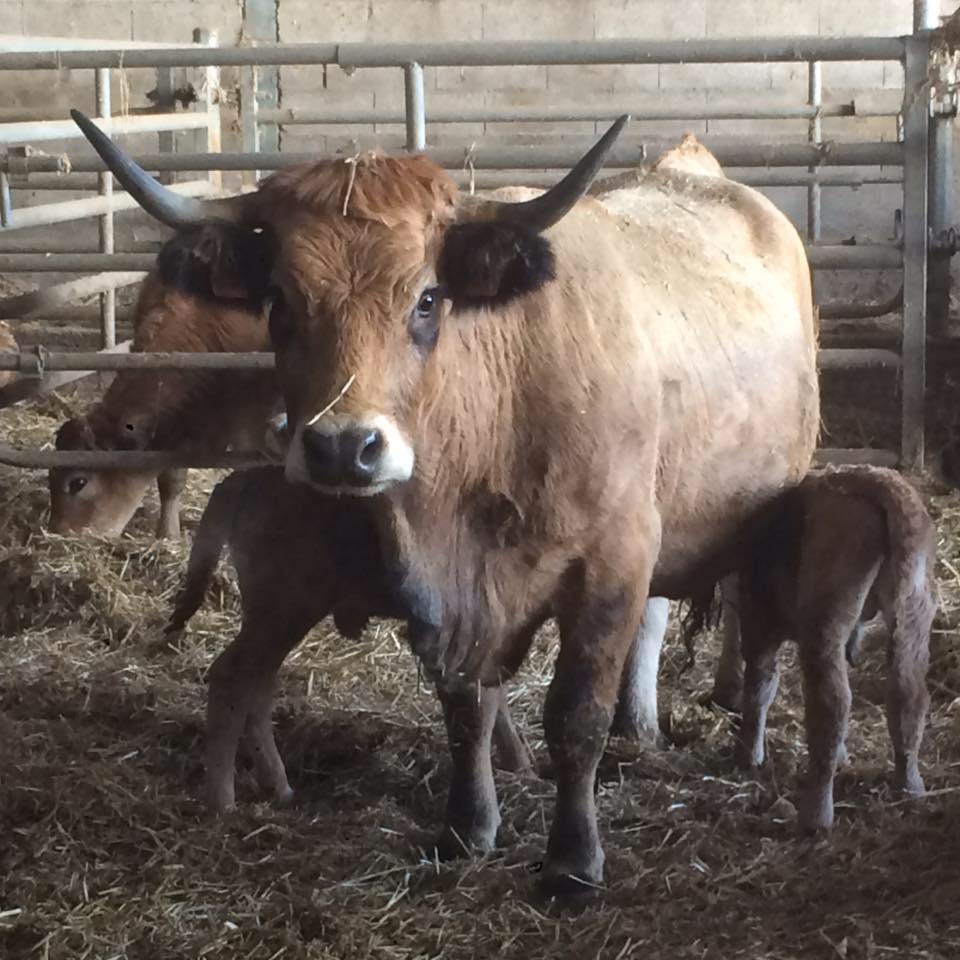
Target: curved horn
[163,204]
[543,212]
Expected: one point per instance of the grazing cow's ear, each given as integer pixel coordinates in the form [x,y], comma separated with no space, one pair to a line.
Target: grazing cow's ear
[75,434]
[492,263]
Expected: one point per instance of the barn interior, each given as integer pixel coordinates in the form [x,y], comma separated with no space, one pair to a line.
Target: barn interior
[842,113]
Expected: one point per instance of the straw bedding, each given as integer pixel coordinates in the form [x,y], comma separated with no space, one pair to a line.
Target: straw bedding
[106,851]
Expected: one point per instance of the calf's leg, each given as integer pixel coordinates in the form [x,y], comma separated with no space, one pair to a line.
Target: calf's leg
[728,680]
[513,754]
[241,682]
[761,637]
[170,484]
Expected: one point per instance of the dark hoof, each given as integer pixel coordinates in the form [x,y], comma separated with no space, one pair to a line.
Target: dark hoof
[723,699]
[453,844]
[568,885]
[627,728]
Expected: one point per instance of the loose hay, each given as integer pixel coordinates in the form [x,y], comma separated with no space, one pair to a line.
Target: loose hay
[107,851]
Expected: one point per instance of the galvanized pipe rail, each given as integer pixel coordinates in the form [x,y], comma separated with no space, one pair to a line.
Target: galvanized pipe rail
[351,56]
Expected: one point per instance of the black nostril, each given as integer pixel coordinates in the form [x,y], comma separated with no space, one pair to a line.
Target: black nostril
[321,449]
[360,451]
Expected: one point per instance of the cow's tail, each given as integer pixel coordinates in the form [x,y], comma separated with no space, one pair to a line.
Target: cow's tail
[911,553]
[213,532]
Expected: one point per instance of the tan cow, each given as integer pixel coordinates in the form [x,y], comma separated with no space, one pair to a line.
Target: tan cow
[564,405]
[838,548]
[195,300]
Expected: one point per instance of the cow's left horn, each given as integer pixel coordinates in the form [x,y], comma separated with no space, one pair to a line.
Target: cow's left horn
[543,212]
[163,204]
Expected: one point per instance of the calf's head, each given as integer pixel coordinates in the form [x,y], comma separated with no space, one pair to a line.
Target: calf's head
[370,258]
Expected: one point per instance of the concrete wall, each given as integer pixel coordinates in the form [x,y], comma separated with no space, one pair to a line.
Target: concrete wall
[867,213]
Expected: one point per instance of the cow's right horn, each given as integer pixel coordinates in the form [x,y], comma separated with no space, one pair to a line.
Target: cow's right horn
[163,204]
[543,212]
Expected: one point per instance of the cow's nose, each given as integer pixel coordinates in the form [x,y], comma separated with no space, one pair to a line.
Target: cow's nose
[346,457]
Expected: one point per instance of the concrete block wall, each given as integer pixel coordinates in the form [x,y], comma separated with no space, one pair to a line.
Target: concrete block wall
[868,213]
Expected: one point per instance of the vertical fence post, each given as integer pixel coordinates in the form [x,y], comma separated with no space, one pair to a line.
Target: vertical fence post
[414,107]
[165,102]
[211,101]
[260,25]
[916,129]
[925,15]
[108,299]
[815,136]
[249,121]
[6,201]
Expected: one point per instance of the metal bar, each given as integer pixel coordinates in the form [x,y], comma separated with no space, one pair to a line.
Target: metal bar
[859,309]
[75,262]
[940,214]
[50,298]
[249,123]
[845,359]
[916,122]
[66,211]
[414,108]
[815,135]
[145,461]
[822,256]
[211,100]
[166,142]
[6,201]
[498,156]
[467,54]
[77,360]
[837,455]
[291,116]
[925,15]
[260,25]
[27,387]
[38,131]
[868,256]
[108,298]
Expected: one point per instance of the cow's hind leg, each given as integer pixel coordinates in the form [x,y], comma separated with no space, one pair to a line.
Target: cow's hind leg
[170,485]
[512,752]
[636,714]
[473,814]
[761,635]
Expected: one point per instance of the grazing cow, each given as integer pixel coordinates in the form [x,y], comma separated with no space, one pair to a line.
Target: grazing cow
[322,557]
[565,406]
[842,545]
[195,300]
[8,344]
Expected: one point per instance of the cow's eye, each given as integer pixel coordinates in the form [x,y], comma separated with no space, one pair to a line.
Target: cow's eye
[425,322]
[75,485]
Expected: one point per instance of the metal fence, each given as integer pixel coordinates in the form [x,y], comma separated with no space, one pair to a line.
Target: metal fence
[919,159]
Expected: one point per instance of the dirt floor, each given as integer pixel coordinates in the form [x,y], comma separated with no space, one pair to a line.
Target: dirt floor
[106,852]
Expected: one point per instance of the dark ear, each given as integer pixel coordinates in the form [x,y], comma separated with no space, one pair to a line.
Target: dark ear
[492,263]
[75,434]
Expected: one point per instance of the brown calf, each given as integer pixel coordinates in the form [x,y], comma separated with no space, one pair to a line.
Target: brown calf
[842,546]
[299,556]
[193,301]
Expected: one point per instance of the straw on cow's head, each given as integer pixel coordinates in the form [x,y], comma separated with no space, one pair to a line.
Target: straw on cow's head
[367,258]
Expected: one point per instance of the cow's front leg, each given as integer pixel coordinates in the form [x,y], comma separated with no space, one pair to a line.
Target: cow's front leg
[636,717]
[597,626]
[473,815]
[170,486]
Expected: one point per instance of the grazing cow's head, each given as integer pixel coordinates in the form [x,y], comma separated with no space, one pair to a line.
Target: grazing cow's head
[101,501]
[370,257]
